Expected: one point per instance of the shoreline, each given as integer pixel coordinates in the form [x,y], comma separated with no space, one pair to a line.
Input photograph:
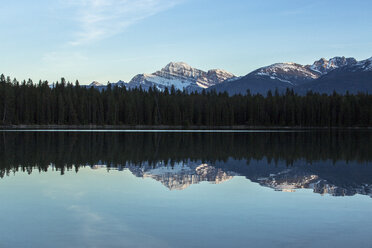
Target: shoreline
[166,127]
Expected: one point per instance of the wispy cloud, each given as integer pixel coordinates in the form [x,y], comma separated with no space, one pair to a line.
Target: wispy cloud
[100,19]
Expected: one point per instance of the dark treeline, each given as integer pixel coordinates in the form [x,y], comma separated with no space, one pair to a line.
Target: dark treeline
[70,104]
[26,151]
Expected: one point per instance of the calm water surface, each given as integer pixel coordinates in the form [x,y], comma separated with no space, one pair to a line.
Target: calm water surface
[194,189]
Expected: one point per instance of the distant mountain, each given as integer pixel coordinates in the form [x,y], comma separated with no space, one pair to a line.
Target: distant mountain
[277,76]
[301,78]
[324,66]
[253,83]
[96,85]
[289,73]
[354,78]
[101,87]
[339,179]
[322,76]
[120,84]
[181,76]
[338,74]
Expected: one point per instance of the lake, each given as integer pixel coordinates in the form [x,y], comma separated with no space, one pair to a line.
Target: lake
[186,189]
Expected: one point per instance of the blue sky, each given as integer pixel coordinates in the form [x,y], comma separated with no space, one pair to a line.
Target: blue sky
[108,40]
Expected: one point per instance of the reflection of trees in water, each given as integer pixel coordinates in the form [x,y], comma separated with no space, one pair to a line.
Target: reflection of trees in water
[36,150]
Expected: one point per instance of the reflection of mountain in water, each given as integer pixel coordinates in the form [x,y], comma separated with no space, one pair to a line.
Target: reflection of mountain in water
[279,177]
[291,179]
[333,162]
[324,177]
[182,175]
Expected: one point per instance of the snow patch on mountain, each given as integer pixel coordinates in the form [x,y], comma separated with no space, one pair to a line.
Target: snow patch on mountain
[273,77]
[290,69]
[290,73]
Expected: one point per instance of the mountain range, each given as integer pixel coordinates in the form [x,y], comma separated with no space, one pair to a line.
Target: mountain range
[338,74]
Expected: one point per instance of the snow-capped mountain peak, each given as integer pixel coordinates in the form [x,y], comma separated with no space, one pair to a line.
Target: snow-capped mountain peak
[350,64]
[181,76]
[290,73]
[324,66]
[177,67]
[295,74]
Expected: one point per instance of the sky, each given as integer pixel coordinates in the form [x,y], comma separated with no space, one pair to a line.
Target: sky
[111,40]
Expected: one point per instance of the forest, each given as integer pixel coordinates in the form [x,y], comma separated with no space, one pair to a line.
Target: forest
[65,103]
